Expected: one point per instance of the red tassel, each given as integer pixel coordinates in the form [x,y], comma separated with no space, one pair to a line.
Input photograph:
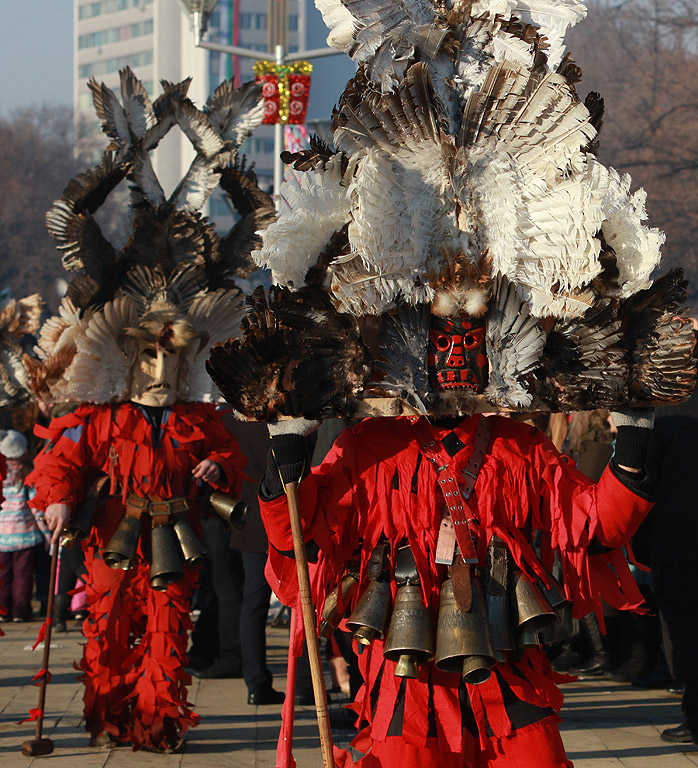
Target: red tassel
[40,675]
[34,714]
[42,633]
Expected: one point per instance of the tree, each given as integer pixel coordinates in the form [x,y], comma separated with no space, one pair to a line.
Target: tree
[36,162]
[642,56]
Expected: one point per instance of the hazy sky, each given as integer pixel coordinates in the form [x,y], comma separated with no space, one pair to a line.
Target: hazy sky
[36,53]
[36,57]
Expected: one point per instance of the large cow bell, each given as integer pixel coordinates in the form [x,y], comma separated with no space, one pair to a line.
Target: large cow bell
[123,545]
[370,617]
[410,638]
[192,549]
[463,640]
[167,564]
[531,609]
[331,615]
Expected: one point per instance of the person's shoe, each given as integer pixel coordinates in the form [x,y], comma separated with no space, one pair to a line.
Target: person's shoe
[653,679]
[596,665]
[617,675]
[565,659]
[304,698]
[679,735]
[105,740]
[676,689]
[172,747]
[268,696]
[342,719]
[217,671]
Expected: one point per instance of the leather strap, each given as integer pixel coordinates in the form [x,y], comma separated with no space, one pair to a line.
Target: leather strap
[455,525]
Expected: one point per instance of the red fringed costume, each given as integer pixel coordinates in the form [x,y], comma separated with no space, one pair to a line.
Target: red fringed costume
[376,482]
[134,660]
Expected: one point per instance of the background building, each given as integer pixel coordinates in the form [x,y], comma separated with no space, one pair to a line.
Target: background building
[154,38]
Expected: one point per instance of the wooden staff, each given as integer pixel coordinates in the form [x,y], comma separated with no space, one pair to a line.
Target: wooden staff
[310,626]
[37,747]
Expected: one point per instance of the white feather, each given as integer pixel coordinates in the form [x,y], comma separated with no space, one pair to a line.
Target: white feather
[313,208]
[101,369]
[216,316]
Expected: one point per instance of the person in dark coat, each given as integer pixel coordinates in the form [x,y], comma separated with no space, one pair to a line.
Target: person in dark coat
[671,530]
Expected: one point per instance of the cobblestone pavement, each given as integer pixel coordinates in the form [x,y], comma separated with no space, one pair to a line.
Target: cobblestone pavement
[606,724]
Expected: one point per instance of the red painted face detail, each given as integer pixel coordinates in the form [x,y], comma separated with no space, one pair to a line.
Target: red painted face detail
[456,358]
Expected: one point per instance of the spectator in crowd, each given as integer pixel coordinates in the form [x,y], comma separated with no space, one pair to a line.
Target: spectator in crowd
[19,532]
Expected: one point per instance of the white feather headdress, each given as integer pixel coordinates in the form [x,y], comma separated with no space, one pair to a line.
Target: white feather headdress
[174,270]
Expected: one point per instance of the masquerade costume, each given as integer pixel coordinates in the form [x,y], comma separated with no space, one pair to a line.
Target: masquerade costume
[129,344]
[462,250]
[378,483]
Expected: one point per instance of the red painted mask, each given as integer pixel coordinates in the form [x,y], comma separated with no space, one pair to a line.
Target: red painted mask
[457,358]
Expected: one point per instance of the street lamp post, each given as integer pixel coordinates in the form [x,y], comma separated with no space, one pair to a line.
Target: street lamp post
[200,11]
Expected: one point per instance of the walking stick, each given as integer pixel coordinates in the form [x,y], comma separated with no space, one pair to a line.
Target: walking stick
[38,746]
[309,624]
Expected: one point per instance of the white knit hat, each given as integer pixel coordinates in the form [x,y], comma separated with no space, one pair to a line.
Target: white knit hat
[13,444]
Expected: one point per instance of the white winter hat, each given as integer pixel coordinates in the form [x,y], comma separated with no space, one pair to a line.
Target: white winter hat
[13,444]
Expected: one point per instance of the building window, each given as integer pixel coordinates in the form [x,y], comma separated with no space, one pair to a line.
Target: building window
[90,10]
[142,59]
[263,146]
[292,22]
[115,35]
[256,21]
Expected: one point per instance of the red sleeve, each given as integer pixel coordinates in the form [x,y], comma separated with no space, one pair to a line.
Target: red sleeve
[225,451]
[578,512]
[326,501]
[59,469]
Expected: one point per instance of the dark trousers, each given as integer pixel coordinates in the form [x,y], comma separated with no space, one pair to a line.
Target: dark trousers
[242,599]
[227,580]
[256,594]
[676,592]
[16,582]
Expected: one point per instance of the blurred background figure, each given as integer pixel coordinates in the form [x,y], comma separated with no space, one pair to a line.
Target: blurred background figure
[230,636]
[19,532]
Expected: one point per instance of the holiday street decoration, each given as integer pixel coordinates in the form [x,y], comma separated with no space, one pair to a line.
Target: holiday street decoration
[126,471]
[286,90]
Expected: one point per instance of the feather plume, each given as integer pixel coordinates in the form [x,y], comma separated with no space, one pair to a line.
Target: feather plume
[515,342]
[661,340]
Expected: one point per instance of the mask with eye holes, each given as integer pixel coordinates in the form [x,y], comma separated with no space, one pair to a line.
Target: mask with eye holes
[457,359]
[154,374]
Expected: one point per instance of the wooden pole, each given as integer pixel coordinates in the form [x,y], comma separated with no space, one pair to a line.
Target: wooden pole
[310,626]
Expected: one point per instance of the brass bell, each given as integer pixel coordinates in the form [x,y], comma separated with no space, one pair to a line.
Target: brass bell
[410,638]
[527,637]
[554,594]
[330,613]
[372,613]
[531,609]
[123,545]
[233,512]
[192,549]
[463,639]
[167,563]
